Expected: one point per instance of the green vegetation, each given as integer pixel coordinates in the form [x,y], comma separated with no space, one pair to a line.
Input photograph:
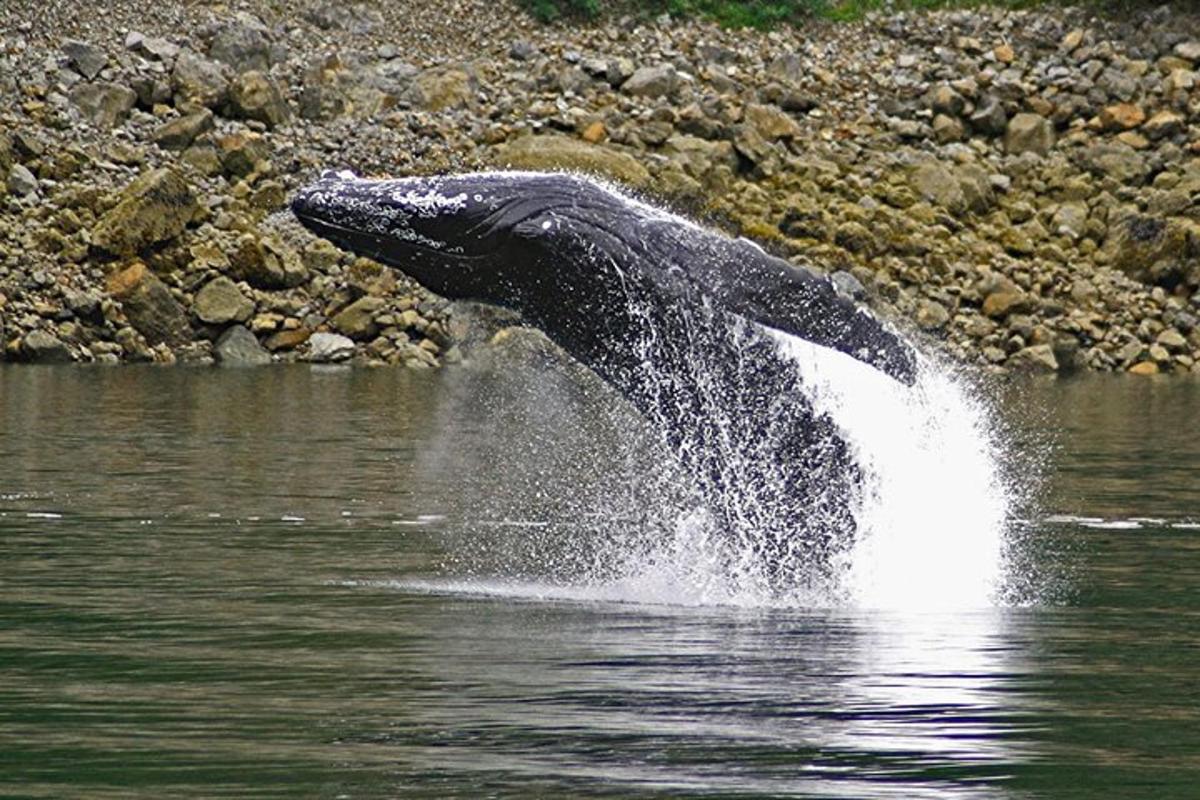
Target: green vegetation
[769,13]
[734,13]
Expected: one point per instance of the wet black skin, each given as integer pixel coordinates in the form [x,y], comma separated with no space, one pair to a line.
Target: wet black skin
[670,314]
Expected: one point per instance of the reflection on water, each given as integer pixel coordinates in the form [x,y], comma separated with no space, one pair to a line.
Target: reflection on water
[284,582]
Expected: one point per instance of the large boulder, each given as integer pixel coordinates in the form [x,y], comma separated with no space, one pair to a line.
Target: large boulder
[1150,248]
[196,79]
[565,153]
[656,81]
[242,44]
[40,347]
[104,104]
[253,95]
[149,305]
[156,207]
[85,58]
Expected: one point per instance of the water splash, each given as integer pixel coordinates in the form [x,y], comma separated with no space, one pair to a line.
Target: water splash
[935,510]
[931,517]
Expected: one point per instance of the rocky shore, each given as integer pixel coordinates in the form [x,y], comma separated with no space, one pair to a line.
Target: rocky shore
[1023,188]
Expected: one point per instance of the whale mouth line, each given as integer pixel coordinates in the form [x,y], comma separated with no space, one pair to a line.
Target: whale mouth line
[373,245]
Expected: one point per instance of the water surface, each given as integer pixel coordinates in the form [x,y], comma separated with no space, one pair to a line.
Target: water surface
[295,582]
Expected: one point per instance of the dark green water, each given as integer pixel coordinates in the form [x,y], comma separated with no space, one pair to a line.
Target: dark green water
[234,584]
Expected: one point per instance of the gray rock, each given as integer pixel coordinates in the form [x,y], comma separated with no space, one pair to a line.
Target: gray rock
[848,285]
[40,347]
[86,59]
[656,81]
[151,47]
[197,79]
[1038,358]
[237,347]
[84,305]
[104,104]
[1029,133]
[521,50]
[21,181]
[149,305]
[242,44]
[329,347]
[989,117]
[221,302]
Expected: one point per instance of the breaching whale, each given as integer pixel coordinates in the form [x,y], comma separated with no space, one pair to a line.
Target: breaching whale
[682,321]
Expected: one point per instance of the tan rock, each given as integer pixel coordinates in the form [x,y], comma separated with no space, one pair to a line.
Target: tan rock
[253,95]
[357,320]
[287,339]
[594,133]
[1004,53]
[267,262]
[156,207]
[242,152]
[1122,117]
[948,129]
[1000,304]
[771,123]
[1144,368]
[444,88]
[1072,40]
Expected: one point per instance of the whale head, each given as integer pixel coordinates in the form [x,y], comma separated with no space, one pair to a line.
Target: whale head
[458,235]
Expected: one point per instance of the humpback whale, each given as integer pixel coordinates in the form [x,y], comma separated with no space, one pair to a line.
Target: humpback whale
[684,322]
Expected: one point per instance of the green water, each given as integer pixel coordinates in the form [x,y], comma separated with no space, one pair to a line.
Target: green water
[246,584]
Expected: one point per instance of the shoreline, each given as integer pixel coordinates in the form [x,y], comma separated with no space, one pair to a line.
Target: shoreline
[1022,189]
